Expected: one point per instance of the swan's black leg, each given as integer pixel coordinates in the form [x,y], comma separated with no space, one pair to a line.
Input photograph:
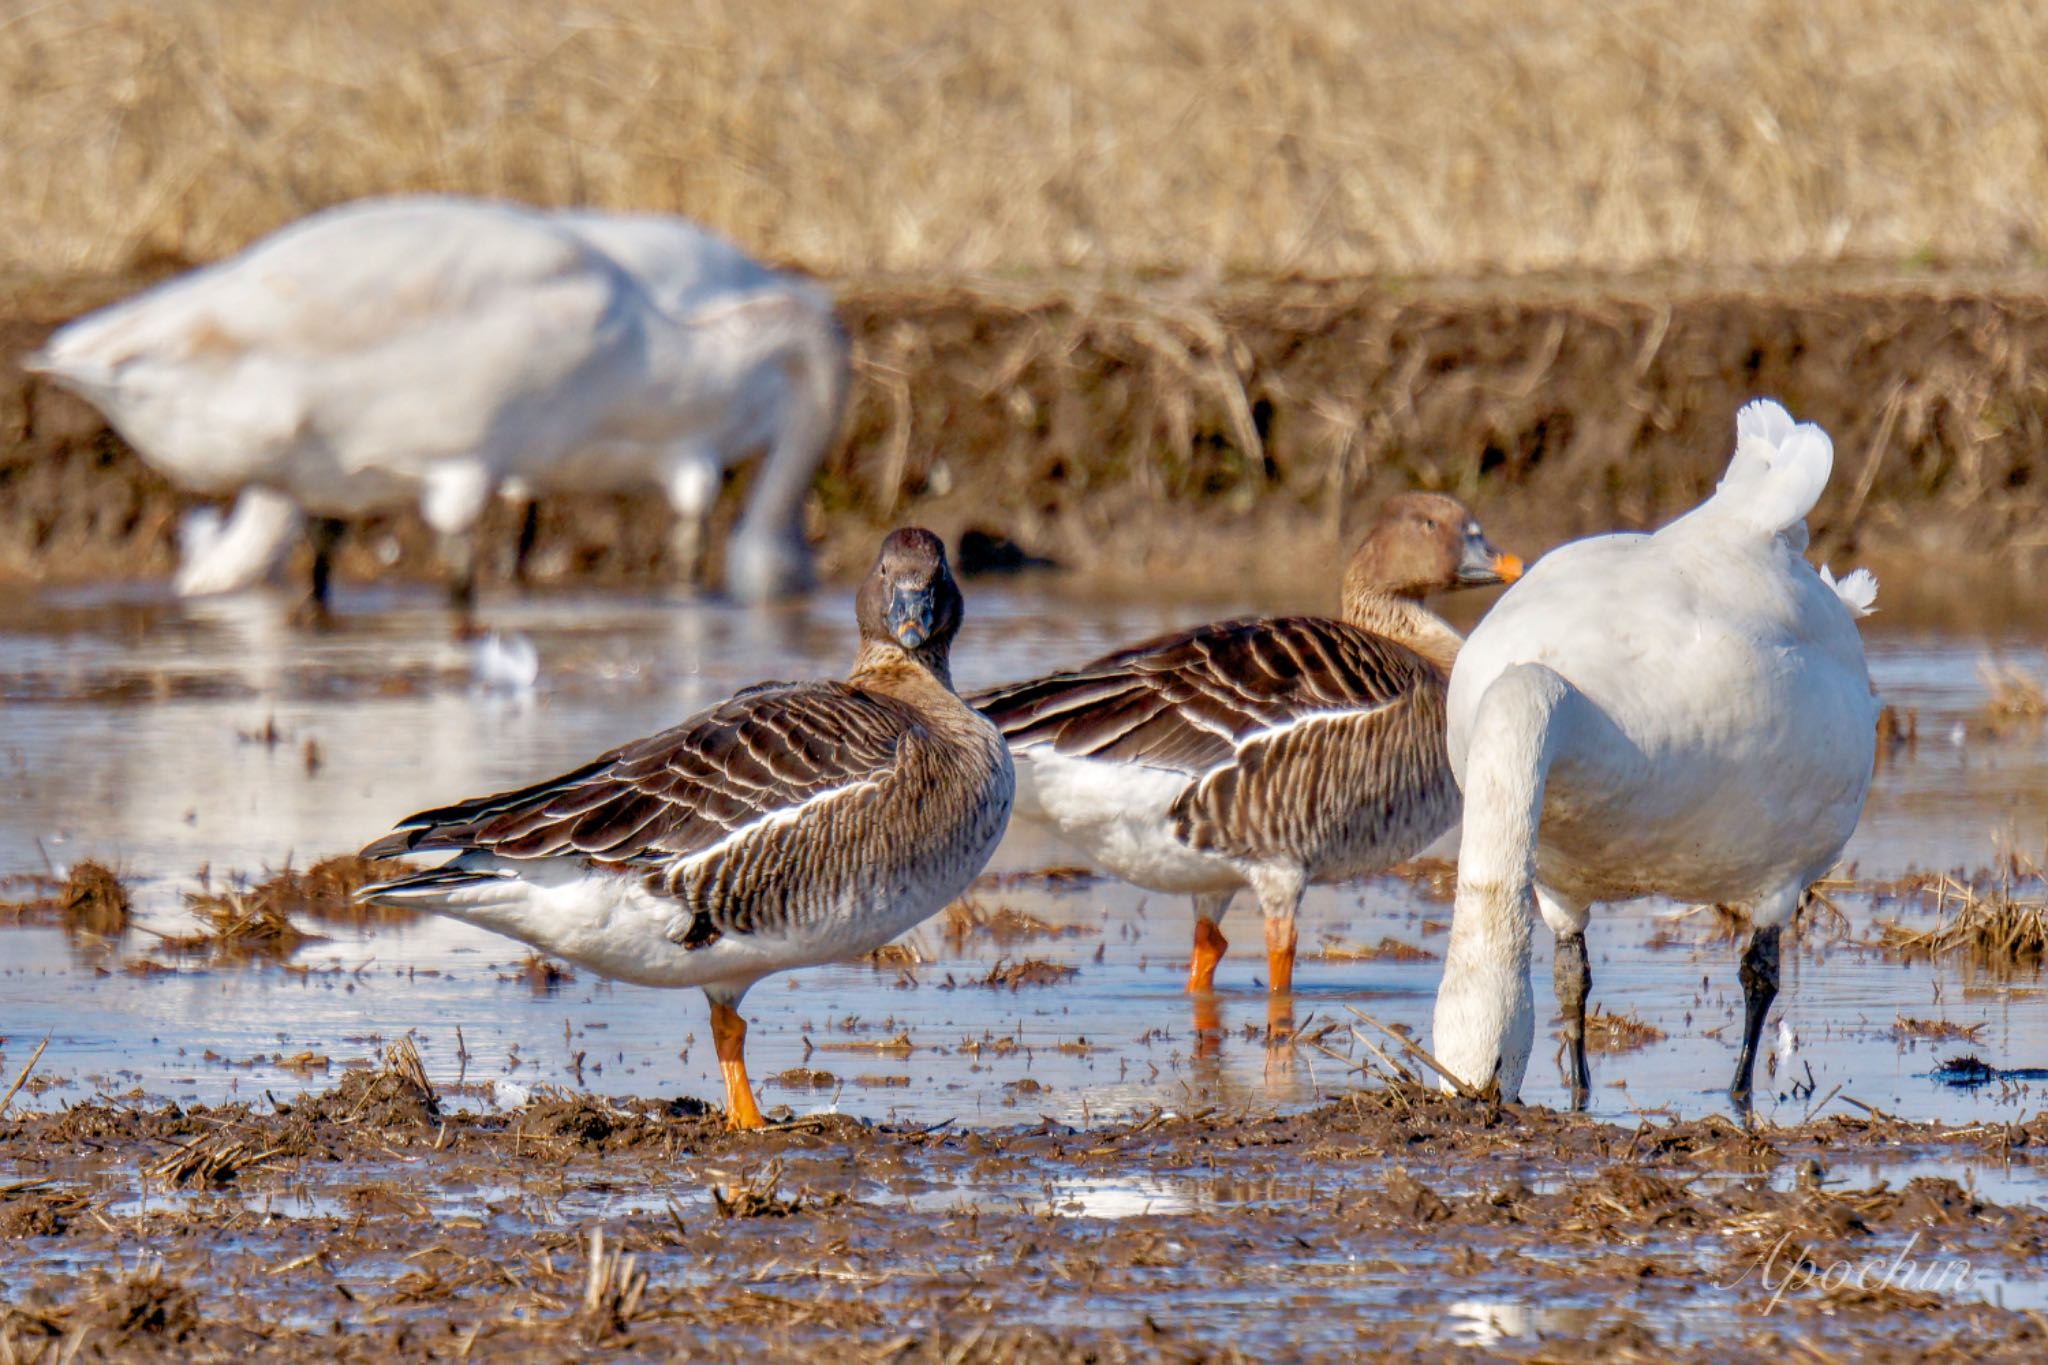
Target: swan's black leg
[325,535]
[529,532]
[1572,975]
[1759,989]
[458,552]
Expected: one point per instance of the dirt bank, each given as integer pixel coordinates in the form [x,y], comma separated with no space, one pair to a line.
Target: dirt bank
[1113,430]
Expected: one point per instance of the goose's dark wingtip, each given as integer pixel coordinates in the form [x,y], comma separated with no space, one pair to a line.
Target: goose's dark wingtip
[426,885]
[396,844]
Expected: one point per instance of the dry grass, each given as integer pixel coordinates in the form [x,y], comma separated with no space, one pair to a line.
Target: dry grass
[1986,925]
[1387,950]
[90,900]
[1005,924]
[238,924]
[1619,1032]
[1007,975]
[94,901]
[2017,698]
[918,135]
[901,954]
[244,920]
[1935,1030]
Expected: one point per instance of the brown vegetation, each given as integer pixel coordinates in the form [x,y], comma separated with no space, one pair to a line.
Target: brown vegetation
[1102,428]
[1619,1032]
[2017,698]
[1935,1030]
[1387,950]
[90,900]
[401,1233]
[1315,137]
[1005,924]
[1984,922]
[1008,975]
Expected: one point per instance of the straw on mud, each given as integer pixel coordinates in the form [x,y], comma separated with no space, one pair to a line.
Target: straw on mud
[22,1079]
[1421,1054]
[1395,1067]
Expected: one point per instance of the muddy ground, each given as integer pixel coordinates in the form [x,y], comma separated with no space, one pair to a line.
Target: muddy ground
[1101,427]
[373,1222]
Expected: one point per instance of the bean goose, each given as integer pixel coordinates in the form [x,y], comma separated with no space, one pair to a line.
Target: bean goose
[429,351]
[1683,714]
[793,825]
[1273,754]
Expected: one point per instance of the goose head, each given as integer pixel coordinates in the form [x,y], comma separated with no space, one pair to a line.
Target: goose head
[909,607]
[1423,543]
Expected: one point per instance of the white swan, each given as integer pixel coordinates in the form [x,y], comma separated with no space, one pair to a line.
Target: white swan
[1686,713]
[433,350]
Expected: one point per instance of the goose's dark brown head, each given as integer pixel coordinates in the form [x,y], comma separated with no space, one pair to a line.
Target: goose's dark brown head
[909,601]
[1423,543]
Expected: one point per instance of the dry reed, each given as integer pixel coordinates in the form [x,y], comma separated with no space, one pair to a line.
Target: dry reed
[2017,698]
[1986,925]
[90,900]
[1308,136]
[1619,1032]
[1386,950]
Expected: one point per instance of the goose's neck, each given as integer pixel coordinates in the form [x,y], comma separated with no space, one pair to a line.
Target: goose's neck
[885,666]
[1485,1013]
[1405,621]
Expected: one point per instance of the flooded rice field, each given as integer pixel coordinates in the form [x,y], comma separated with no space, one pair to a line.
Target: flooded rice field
[1012,1136]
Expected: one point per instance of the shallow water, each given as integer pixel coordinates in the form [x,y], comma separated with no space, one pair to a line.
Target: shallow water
[166,738]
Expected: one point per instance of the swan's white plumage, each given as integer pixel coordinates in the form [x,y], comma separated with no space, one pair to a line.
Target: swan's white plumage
[1858,591]
[218,554]
[1689,712]
[429,349]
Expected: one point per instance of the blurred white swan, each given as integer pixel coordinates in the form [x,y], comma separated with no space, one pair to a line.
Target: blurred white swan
[1685,714]
[434,350]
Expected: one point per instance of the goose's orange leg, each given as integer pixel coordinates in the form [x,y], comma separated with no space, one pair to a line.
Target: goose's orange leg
[1210,945]
[1280,938]
[729,1036]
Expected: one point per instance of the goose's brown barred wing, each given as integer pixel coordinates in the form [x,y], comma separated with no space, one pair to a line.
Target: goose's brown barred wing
[1347,790]
[1190,701]
[660,800]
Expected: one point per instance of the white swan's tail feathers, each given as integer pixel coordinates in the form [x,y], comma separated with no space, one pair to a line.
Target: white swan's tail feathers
[1779,469]
[1858,590]
[68,357]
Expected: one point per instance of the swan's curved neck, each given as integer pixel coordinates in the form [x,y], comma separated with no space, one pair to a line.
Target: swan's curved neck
[1405,621]
[1485,1015]
[810,351]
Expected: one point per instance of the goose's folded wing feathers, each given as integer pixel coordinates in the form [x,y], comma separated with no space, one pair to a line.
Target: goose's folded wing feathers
[1192,701]
[761,755]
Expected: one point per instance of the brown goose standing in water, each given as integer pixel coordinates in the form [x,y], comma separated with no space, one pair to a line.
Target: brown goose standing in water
[1274,754]
[795,824]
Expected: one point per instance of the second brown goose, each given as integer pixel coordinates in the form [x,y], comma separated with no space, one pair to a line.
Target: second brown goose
[1268,753]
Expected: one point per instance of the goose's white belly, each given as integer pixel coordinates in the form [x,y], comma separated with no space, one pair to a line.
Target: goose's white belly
[612,925]
[1117,815]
